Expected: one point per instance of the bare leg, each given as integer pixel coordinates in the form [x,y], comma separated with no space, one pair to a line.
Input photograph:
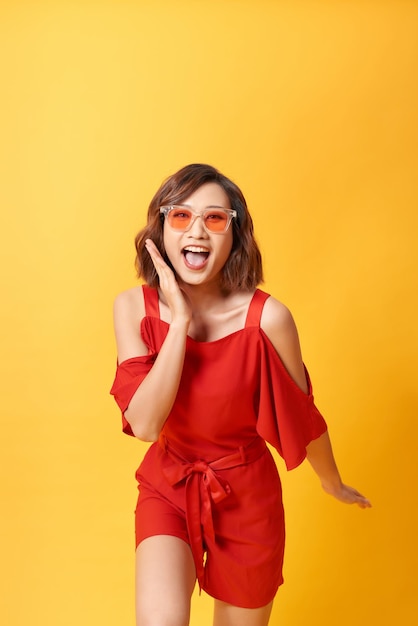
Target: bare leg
[165,578]
[228,615]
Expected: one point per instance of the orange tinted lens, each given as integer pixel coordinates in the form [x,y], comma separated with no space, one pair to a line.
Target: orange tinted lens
[179,219]
[216,221]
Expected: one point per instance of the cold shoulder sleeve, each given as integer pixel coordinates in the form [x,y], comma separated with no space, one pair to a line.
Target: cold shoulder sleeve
[129,375]
[287,417]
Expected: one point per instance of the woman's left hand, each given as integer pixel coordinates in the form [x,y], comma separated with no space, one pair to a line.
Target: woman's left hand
[349,495]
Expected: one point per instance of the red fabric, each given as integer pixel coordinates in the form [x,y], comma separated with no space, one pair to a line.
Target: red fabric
[285,416]
[129,375]
[204,485]
[288,418]
[232,391]
[244,554]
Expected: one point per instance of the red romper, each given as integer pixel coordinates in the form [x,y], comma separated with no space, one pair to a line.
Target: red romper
[210,479]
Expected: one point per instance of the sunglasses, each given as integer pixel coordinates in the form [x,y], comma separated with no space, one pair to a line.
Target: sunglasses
[181,218]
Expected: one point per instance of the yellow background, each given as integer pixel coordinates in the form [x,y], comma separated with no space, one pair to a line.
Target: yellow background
[311,107]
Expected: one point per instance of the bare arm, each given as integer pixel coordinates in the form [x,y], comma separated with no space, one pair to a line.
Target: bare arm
[321,458]
[278,324]
[154,398]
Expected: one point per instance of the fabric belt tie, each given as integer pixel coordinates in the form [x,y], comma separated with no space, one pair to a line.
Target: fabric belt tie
[204,487]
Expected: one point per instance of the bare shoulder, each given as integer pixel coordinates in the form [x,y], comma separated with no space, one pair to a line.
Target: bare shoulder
[278,324]
[277,318]
[130,303]
[128,311]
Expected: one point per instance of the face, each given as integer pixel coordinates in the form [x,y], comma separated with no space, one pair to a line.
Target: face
[196,255]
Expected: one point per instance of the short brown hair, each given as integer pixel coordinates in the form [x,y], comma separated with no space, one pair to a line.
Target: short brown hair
[243,269]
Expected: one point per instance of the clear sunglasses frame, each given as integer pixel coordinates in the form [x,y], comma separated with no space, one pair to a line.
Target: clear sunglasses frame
[231,213]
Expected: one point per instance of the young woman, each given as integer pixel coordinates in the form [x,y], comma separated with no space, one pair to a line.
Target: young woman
[209,369]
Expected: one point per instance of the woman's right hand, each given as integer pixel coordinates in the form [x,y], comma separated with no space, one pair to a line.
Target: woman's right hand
[176,299]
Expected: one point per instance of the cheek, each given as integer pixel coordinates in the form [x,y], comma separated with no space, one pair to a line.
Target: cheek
[171,248]
[167,241]
[225,249]
[229,242]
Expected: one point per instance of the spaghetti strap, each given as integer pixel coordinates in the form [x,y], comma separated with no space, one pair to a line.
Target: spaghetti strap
[152,305]
[256,308]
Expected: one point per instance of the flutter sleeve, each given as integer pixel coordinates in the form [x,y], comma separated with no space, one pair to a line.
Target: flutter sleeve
[287,418]
[129,375]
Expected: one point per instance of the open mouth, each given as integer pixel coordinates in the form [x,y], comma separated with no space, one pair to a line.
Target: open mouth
[195,257]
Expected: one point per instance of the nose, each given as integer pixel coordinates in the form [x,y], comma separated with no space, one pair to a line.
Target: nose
[197,227]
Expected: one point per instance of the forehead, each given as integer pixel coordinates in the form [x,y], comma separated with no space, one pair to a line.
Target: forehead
[209,194]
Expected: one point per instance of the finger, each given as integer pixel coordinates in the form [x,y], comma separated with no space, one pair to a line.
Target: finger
[352,496]
[153,250]
[363,502]
[156,257]
[150,244]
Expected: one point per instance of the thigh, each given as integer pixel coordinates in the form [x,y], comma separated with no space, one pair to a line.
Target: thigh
[228,615]
[165,579]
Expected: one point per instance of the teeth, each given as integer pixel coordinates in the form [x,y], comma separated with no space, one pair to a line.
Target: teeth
[196,249]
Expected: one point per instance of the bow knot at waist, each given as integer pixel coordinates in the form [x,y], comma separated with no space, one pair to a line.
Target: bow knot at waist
[217,488]
[204,486]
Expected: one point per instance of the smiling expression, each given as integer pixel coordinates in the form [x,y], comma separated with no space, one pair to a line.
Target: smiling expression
[196,255]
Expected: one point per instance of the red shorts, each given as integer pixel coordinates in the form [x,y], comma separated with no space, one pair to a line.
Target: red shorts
[231,512]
